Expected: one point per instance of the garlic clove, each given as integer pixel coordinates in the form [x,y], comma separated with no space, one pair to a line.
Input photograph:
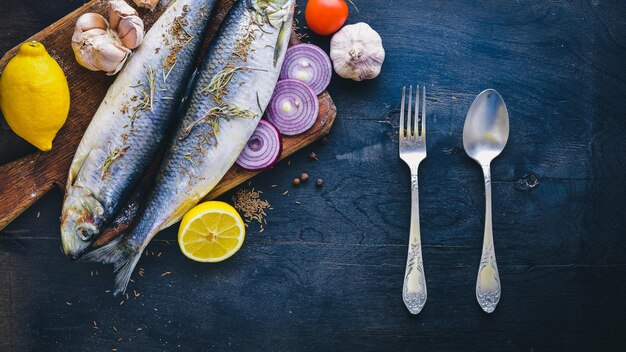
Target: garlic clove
[81,44]
[109,54]
[147,4]
[118,10]
[130,31]
[83,54]
[91,21]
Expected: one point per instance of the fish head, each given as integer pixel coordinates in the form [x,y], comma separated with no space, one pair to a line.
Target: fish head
[273,11]
[81,221]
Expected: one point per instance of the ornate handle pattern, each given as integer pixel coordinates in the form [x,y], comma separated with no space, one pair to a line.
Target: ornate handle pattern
[488,282]
[414,289]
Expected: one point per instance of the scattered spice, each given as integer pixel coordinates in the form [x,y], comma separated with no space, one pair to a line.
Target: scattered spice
[166,273]
[249,202]
[296,181]
[298,202]
[304,177]
[313,156]
[319,182]
[324,140]
[285,193]
[68,303]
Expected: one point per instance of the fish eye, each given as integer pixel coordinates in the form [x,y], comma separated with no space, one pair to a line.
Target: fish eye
[84,233]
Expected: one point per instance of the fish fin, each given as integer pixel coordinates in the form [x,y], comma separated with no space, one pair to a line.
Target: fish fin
[278,48]
[123,258]
[75,169]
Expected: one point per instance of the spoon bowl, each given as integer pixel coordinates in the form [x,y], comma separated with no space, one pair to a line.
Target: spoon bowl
[486,129]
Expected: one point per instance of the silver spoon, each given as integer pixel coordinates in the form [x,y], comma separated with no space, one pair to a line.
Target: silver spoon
[485,134]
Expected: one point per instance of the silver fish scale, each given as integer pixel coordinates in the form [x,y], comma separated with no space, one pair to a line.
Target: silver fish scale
[196,161]
[143,111]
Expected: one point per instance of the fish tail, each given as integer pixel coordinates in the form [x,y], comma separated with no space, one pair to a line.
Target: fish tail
[123,258]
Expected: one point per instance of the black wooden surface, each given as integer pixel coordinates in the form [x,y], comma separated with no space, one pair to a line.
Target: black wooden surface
[326,275]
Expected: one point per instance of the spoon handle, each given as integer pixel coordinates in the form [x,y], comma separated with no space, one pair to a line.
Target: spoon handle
[488,282]
[414,287]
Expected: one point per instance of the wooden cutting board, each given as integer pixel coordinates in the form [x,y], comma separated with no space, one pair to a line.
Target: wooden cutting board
[26,180]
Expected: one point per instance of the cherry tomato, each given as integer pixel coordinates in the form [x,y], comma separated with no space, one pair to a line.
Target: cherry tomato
[326,17]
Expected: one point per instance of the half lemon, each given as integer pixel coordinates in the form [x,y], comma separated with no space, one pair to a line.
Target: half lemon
[211,232]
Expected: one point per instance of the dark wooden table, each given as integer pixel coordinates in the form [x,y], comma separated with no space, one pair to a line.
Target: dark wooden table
[326,274]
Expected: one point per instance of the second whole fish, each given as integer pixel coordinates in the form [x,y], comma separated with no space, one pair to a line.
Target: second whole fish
[131,123]
[233,87]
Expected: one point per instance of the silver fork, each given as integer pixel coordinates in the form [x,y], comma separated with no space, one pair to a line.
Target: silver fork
[413,151]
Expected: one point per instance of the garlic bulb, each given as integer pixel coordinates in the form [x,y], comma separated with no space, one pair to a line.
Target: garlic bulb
[96,47]
[100,45]
[357,52]
[126,22]
[147,4]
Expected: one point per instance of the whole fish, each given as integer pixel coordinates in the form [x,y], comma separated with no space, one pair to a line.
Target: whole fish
[131,123]
[232,89]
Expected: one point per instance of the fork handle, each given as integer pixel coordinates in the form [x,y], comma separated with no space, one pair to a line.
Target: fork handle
[414,288]
[488,288]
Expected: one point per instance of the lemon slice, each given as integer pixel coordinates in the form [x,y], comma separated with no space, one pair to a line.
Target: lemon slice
[211,232]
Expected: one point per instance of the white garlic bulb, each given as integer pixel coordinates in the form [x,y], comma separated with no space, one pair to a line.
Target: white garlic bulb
[357,52]
[126,22]
[96,47]
[101,45]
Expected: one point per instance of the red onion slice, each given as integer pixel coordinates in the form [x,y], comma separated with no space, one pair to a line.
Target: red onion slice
[263,148]
[309,64]
[293,108]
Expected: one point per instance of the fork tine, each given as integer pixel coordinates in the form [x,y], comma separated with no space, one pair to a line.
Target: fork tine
[409,132]
[401,132]
[424,113]
[417,109]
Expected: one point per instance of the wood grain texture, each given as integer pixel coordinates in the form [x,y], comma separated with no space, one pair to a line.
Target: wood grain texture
[28,179]
[326,274]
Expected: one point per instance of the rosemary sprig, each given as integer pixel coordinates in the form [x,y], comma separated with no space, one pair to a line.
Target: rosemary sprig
[151,86]
[111,157]
[222,78]
[214,115]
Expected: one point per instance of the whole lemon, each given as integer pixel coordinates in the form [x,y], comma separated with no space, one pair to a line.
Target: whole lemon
[34,95]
